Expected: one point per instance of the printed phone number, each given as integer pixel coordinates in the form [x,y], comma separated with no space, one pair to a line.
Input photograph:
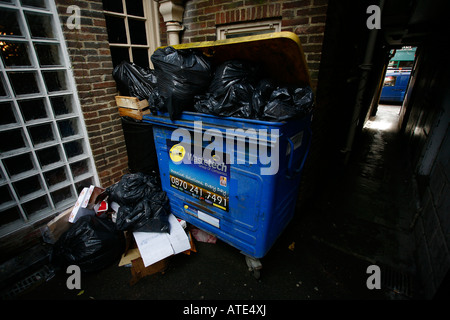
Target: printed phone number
[199,192]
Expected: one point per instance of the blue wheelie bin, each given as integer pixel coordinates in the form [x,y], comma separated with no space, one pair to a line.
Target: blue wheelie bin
[244,191]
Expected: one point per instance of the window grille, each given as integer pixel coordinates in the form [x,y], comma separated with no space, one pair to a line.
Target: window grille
[133,31]
[45,157]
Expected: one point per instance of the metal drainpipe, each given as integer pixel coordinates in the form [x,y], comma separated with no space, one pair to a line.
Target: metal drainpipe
[366,67]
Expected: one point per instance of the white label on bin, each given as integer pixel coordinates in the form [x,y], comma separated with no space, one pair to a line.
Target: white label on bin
[208,219]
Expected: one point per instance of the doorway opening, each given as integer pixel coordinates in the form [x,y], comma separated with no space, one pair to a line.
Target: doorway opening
[392,94]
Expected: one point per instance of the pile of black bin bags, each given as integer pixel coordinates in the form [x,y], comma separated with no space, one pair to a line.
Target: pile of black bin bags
[186,80]
[93,243]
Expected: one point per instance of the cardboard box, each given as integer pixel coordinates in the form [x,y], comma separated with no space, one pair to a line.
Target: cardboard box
[132,107]
[86,202]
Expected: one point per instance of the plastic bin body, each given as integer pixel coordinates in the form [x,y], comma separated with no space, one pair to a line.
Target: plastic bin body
[259,206]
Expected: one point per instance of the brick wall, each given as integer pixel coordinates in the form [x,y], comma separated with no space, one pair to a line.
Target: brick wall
[305,17]
[92,69]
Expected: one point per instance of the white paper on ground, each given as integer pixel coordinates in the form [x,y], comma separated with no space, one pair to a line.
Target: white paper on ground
[155,246]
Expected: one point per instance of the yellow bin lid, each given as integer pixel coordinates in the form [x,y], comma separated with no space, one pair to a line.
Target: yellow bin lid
[280,52]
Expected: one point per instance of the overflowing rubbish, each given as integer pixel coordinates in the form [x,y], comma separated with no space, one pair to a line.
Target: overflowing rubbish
[143,204]
[92,243]
[202,236]
[129,223]
[238,89]
[186,80]
[135,81]
[88,203]
[181,74]
[231,90]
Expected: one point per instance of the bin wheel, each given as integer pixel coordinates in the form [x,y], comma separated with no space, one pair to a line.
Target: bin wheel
[254,266]
[256,274]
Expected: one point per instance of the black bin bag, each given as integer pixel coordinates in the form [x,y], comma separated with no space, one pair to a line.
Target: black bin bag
[181,75]
[288,102]
[91,243]
[231,90]
[144,206]
[135,81]
[242,89]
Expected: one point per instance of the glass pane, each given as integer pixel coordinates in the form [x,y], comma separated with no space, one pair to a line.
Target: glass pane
[33,109]
[7,113]
[140,57]
[55,80]
[40,25]
[3,92]
[61,195]
[9,215]
[35,205]
[27,186]
[116,29]
[113,5]
[68,127]
[34,3]
[18,164]
[41,133]
[23,82]
[11,140]
[118,55]
[15,54]
[9,23]
[5,195]
[79,168]
[73,148]
[135,8]
[62,105]
[48,156]
[48,54]
[137,31]
[82,184]
[55,176]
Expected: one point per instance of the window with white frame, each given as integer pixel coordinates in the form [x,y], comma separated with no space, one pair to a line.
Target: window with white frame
[45,157]
[248,29]
[133,31]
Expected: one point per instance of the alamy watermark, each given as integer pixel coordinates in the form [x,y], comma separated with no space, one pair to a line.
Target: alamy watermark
[374,280]
[74,20]
[374,20]
[74,280]
[262,147]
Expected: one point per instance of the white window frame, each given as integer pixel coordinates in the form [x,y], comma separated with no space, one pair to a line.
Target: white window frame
[52,120]
[241,29]
[151,20]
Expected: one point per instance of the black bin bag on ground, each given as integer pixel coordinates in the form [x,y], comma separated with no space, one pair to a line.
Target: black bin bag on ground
[144,206]
[91,243]
[181,75]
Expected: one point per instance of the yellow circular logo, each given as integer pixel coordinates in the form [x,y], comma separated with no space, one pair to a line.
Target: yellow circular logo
[177,153]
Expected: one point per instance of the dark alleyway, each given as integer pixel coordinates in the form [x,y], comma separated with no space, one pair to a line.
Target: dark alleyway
[361,217]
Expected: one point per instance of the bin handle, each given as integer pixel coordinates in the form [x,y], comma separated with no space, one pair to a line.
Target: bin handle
[290,172]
